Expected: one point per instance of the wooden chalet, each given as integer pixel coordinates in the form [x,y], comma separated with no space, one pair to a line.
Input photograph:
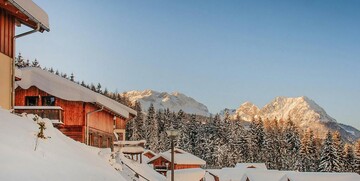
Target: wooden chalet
[72,107]
[15,13]
[182,160]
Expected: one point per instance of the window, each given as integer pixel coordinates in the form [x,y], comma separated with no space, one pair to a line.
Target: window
[48,101]
[31,100]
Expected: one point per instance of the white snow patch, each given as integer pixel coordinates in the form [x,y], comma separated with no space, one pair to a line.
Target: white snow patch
[56,158]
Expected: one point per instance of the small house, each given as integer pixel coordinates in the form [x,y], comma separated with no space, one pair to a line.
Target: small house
[182,160]
[77,111]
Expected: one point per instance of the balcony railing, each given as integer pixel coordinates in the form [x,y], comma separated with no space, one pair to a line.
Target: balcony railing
[54,113]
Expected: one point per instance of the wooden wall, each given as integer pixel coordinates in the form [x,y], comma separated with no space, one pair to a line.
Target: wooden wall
[7,32]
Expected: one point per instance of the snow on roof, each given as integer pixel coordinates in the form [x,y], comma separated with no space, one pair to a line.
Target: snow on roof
[55,158]
[322,176]
[33,11]
[268,175]
[132,149]
[130,142]
[260,166]
[232,174]
[38,107]
[142,169]
[193,174]
[68,90]
[18,73]
[180,157]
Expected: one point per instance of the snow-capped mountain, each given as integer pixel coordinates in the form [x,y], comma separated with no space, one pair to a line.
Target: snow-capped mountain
[302,110]
[162,100]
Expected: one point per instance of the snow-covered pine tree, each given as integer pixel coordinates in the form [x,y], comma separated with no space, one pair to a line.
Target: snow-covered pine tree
[98,88]
[130,128]
[329,162]
[72,77]
[339,149]
[292,144]
[303,159]
[257,135]
[312,152]
[151,129]
[241,143]
[193,133]
[357,157]
[349,159]
[35,63]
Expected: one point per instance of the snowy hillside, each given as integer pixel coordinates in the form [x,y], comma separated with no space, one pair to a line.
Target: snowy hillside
[302,110]
[163,100]
[55,158]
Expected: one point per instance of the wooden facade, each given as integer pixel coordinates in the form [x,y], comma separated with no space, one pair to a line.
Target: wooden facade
[7,33]
[101,124]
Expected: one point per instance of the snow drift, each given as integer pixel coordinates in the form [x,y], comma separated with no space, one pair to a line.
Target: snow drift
[56,158]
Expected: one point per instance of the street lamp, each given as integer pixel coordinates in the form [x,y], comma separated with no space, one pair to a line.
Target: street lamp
[172,134]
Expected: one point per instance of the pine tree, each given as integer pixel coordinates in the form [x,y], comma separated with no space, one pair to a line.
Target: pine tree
[72,77]
[138,133]
[35,63]
[257,135]
[357,159]
[149,125]
[98,88]
[349,159]
[312,152]
[339,149]
[292,145]
[329,162]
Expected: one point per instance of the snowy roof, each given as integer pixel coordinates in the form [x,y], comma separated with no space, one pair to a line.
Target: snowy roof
[68,90]
[135,143]
[322,176]
[260,166]
[193,174]
[33,11]
[268,175]
[231,174]
[142,169]
[180,157]
[133,150]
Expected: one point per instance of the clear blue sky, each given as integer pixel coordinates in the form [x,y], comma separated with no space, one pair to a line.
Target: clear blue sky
[221,53]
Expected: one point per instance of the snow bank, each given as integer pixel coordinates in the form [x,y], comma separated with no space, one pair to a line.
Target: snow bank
[56,158]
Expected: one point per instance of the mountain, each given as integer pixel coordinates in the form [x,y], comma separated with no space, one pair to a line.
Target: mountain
[163,100]
[303,111]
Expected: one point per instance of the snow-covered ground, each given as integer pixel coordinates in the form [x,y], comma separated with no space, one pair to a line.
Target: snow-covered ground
[55,158]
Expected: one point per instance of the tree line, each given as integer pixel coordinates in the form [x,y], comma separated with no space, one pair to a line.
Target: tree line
[223,142]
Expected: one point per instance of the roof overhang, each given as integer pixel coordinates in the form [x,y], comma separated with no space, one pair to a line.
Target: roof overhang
[28,13]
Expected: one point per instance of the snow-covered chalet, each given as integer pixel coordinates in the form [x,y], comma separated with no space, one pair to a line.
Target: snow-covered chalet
[73,108]
[182,160]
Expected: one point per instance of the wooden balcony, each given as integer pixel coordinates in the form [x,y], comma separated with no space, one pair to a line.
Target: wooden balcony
[54,113]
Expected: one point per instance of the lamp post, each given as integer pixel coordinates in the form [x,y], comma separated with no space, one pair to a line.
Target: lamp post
[172,134]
